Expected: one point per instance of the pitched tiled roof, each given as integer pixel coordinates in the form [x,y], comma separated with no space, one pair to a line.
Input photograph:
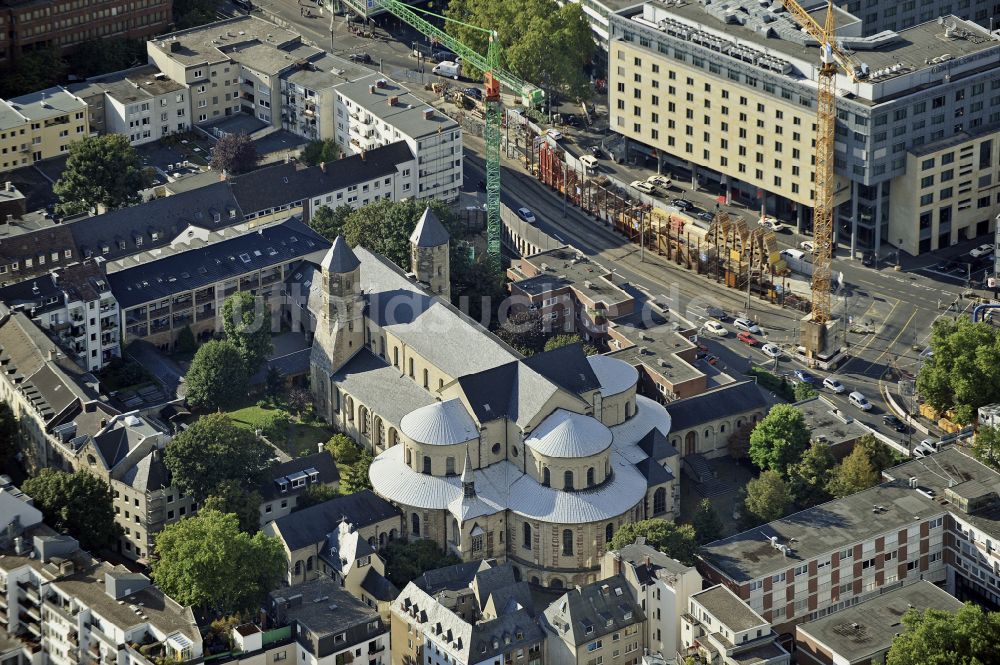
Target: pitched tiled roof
[285,183]
[706,407]
[310,526]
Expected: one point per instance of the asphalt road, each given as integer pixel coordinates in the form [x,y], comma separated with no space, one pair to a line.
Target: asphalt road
[898,308]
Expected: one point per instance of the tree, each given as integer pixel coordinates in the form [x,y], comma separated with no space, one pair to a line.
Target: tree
[79,503]
[405,561]
[706,523]
[767,498]
[246,321]
[100,171]
[674,540]
[809,477]
[9,437]
[320,151]
[938,637]
[880,455]
[963,373]
[109,54]
[216,378]
[185,341]
[524,330]
[234,154]
[315,494]
[275,425]
[354,478]
[274,382]
[804,391]
[344,449]
[329,222]
[854,474]
[779,439]
[986,446]
[192,13]
[213,451]
[206,561]
[231,497]
[559,341]
[542,42]
[33,71]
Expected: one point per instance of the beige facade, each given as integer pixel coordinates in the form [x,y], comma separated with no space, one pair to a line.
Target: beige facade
[40,126]
[950,189]
[712,122]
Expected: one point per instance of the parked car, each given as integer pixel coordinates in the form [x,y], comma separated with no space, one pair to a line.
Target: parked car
[834,385]
[804,377]
[569,120]
[475,93]
[442,56]
[642,186]
[771,350]
[682,204]
[746,325]
[747,338]
[482,185]
[711,360]
[894,422]
[716,328]
[716,313]
[773,224]
[868,259]
[526,215]
[857,399]
[554,134]
[596,151]
[363,58]
[659,181]
[982,250]
[707,216]
[807,246]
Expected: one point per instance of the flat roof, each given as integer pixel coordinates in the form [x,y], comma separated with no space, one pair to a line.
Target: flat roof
[827,424]
[772,31]
[47,103]
[566,265]
[727,607]
[865,630]
[406,115]
[208,43]
[837,524]
[10,117]
[654,343]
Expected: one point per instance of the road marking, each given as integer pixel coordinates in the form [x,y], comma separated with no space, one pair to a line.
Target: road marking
[864,347]
[892,343]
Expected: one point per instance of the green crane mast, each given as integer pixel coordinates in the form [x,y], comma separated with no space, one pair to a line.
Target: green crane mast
[490,66]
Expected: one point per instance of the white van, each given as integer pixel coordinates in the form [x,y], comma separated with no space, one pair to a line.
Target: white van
[860,401]
[448,68]
[589,162]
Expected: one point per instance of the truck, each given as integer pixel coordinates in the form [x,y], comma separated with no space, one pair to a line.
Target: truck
[796,260]
[448,68]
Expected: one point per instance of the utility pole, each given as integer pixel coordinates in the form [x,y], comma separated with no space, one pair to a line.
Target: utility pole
[642,236]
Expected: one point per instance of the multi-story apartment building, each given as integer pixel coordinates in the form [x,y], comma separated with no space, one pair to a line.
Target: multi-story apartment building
[74,303]
[288,480]
[729,93]
[29,25]
[885,15]
[863,634]
[40,125]
[933,519]
[468,614]
[187,286]
[599,622]
[141,103]
[718,627]
[374,111]
[53,398]
[31,245]
[662,585]
[330,626]
[62,603]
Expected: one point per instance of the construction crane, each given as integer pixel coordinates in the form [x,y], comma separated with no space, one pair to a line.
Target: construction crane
[495,77]
[831,58]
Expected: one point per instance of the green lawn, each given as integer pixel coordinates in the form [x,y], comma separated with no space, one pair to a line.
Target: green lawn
[303,436]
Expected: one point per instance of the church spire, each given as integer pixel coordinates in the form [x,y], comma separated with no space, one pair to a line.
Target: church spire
[468,478]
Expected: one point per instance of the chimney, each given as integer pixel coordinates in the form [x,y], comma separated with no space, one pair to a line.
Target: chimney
[363,155]
[9,186]
[428,113]
[371,90]
[649,561]
[52,354]
[104,423]
[322,167]
[393,101]
[10,218]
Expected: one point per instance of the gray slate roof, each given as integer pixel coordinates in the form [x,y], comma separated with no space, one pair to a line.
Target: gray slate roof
[371,380]
[727,607]
[195,268]
[378,586]
[320,461]
[340,258]
[582,615]
[430,232]
[731,398]
[312,525]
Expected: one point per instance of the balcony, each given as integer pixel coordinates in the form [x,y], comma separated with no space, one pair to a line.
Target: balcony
[109,323]
[207,313]
[159,312]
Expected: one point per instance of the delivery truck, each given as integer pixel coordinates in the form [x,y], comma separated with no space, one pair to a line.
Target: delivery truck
[448,68]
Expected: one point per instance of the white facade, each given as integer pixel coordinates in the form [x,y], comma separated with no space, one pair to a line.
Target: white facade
[392,188]
[148,119]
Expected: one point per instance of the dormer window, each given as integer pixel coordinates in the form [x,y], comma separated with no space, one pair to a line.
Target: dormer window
[283,486]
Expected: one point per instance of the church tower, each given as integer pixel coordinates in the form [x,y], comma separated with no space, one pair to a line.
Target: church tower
[429,259]
[339,322]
